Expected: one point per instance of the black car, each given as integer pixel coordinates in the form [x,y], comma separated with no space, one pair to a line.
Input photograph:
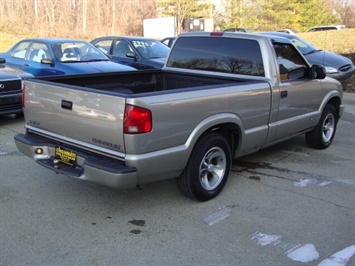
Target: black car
[336,66]
[168,41]
[11,89]
[137,52]
[237,30]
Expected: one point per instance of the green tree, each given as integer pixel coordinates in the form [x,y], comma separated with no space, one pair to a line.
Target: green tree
[237,14]
[277,14]
[183,9]
[314,13]
[274,14]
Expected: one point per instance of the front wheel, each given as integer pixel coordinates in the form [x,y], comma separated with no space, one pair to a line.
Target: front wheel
[207,169]
[322,135]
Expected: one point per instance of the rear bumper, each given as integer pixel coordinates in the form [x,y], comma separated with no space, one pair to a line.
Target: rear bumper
[88,166]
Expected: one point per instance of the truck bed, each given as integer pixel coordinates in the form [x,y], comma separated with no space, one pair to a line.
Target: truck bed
[132,83]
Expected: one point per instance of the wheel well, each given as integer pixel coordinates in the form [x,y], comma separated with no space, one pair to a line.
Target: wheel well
[336,103]
[231,132]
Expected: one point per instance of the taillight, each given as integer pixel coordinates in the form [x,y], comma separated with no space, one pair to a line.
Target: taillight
[23,95]
[137,120]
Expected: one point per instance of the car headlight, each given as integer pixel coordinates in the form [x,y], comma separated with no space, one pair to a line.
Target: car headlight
[331,70]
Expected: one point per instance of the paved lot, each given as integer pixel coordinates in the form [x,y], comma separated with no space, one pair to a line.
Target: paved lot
[285,205]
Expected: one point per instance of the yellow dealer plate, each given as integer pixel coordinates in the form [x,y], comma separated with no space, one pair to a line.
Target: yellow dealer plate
[64,156]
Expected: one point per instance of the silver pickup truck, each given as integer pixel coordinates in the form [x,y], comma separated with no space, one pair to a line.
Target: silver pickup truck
[219,96]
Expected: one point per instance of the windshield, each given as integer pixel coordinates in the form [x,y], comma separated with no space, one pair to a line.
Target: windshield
[151,48]
[303,46]
[77,52]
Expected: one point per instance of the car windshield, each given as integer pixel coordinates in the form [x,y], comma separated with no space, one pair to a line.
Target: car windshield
[77,52]
[151,48]
[303,46]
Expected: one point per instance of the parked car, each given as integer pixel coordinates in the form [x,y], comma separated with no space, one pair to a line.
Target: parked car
[11,89]
[168,41]
[289,31]
[337,66]
[138,52]
[54,56]
[238,30]
[329,27]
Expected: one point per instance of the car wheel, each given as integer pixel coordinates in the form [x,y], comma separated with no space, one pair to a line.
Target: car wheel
[207,169]
[322,135]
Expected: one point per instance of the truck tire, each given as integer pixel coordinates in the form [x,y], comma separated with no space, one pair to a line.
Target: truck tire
[322,135]
[207,169]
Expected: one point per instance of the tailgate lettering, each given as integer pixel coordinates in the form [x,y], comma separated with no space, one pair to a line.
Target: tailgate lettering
[107,144]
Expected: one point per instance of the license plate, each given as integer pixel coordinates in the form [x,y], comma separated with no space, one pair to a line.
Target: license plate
[64,156]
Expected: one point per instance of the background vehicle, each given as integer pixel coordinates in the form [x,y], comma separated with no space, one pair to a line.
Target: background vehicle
[168,41]
[289,31]
[336,66]
[138,52]
[238,30]
[53,56]
[329,27]
[11,89]
[220,95]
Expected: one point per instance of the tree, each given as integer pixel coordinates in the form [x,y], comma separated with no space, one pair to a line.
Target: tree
[237,14]
[277,14]
[183,9]
[315,13]
[345,9]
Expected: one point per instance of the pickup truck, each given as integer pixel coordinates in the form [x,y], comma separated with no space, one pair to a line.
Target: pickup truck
[219,96]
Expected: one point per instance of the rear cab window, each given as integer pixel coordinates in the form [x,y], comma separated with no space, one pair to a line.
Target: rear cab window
[228,55]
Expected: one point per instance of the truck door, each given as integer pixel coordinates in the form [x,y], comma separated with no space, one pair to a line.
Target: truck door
[300,96]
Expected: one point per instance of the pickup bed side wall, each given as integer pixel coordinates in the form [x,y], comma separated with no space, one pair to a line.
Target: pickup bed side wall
[179,121]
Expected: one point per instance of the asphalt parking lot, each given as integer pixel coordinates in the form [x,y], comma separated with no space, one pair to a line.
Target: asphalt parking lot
[285,205]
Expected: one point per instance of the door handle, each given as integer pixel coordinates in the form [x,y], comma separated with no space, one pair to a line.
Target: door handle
[67,105]
[284,94]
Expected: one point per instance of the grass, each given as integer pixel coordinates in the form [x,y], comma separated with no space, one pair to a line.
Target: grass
[337,41]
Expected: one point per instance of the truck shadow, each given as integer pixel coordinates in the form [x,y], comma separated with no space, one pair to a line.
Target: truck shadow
[11,119]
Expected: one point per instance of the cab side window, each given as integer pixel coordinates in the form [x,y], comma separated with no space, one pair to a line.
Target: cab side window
[104,46]
[121,48]
[291,64]
[20,50]
[38,51]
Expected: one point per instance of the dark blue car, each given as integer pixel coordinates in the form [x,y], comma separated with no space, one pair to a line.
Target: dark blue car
[138,52]
[54,56]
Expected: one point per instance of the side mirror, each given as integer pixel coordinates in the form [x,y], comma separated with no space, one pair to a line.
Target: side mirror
[2,60]
[318,72]
[131,55]
[47,61]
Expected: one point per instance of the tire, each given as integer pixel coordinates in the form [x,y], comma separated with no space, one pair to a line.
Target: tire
[322,135]
[207,169]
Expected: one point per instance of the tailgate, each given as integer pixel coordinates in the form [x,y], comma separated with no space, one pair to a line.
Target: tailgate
[83,117]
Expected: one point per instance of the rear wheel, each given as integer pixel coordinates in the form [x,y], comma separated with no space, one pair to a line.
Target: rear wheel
[322,135]
[207,169]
